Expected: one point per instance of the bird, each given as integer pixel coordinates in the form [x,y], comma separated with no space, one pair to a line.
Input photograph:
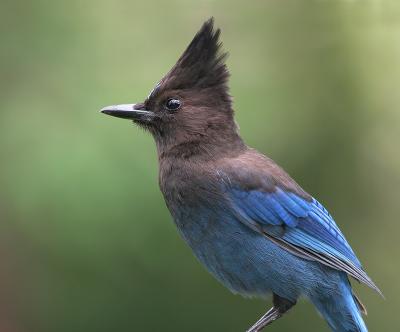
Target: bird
[245,219]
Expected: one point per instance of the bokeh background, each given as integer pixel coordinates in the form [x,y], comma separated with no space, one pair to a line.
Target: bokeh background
[86,242]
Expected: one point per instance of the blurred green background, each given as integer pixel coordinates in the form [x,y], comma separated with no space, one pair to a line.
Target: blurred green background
[86,241]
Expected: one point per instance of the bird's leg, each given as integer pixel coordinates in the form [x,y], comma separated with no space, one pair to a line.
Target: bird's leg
[281,305]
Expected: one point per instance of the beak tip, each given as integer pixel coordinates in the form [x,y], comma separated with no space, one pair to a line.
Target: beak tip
[127,111]
[108,111]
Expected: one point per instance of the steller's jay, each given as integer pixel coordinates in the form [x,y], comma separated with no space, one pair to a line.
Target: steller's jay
[254,228]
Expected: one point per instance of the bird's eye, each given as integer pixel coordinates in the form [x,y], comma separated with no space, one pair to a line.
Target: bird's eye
[173,104]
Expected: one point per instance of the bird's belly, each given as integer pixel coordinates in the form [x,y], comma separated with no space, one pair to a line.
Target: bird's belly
[245,261]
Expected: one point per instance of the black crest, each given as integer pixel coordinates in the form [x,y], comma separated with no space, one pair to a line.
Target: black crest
[202,64]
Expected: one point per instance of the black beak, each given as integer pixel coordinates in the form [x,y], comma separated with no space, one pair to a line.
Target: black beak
[129,111]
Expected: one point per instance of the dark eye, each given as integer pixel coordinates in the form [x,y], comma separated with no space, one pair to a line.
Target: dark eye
[173,104]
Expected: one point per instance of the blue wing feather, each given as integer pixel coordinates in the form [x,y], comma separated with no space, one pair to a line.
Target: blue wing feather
[308,223]
[307,227]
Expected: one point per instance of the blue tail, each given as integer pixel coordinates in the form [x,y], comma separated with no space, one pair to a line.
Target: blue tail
[341,309]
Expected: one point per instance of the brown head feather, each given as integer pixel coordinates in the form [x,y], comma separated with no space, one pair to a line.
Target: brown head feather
[202,64]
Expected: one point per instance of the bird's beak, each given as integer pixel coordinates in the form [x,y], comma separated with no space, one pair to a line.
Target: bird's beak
[129,111]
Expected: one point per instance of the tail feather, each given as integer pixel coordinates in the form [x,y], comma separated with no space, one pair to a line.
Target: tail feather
[342,309]
[360,305]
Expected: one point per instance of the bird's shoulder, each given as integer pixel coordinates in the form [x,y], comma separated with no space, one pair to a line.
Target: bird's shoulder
[246,171]
[252,170]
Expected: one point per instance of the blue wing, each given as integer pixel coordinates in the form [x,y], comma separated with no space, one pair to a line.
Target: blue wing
[301,226]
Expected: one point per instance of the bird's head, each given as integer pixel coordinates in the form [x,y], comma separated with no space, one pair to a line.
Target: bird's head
[191,103]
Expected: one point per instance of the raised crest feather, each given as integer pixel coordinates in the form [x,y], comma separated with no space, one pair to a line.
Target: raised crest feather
[202,64]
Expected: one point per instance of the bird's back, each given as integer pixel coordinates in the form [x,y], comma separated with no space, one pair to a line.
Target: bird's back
[257,231]
[248,189]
